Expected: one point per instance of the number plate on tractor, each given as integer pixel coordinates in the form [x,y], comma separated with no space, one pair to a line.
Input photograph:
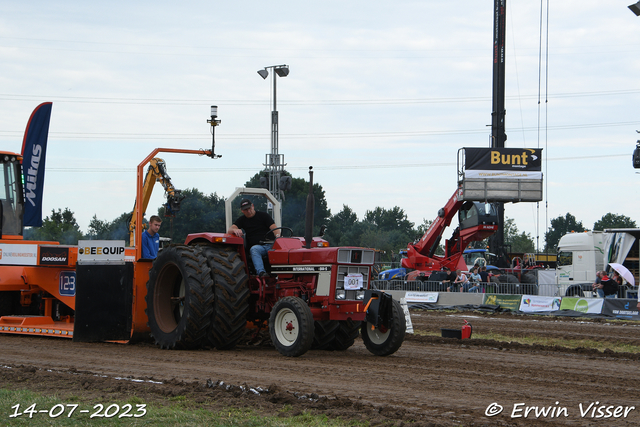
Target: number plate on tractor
[353,282]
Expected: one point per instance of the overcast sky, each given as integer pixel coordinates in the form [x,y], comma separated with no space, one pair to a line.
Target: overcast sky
[379,99]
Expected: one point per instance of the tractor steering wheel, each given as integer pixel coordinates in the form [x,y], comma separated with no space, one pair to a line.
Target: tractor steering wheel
[283,229]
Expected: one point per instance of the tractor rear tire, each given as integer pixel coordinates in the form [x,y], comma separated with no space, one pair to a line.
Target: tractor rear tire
[347,332]
[529,277]
[180,298]
[335,335]
[231,302]
[291,326]
[325,333]
[386,339]
[508,278]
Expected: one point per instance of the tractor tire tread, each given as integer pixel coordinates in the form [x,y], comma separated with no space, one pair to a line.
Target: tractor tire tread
[231,302]
[191,329]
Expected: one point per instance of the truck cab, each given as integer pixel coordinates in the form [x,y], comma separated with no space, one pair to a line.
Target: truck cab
[580,256]
[11,199]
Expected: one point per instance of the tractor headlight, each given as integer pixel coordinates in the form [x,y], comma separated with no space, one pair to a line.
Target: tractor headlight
[341,294]
[360,295]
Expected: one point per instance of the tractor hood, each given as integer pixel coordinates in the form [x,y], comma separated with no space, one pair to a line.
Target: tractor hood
[291,251]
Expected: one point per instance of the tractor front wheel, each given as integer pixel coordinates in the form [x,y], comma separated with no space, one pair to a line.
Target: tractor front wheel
[385,339]
[291,326]
[180,298]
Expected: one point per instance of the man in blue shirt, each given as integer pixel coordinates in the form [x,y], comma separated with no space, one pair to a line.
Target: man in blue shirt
[151,238]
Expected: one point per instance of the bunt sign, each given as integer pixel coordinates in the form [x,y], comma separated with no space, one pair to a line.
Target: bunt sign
[496,163]
[501,174]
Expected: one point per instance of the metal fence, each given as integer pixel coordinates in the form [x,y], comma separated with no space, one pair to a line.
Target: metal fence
[576,289]
[431,286]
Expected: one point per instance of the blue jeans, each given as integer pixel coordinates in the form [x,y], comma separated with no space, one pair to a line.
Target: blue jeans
[600,293]
[257,252]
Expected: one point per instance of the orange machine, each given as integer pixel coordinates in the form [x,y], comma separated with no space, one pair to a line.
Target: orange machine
[39,280]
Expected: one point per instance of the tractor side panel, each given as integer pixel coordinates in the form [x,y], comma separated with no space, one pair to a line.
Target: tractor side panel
[104,296]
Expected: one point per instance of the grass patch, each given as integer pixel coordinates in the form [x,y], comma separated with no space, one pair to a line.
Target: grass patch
[546,341]
[174,413]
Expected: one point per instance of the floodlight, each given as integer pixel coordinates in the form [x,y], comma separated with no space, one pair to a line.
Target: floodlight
[214,111]
[282,71]
[635,8]
[263,73]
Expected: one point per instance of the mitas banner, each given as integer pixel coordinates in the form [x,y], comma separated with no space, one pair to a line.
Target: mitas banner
[34,149]
[509,163]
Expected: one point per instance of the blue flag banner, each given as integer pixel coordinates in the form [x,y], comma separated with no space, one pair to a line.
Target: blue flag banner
[34,149]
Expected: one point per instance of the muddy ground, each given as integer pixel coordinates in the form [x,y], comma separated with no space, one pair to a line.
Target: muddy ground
[430,381]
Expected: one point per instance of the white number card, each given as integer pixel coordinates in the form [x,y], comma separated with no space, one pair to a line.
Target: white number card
[353,282]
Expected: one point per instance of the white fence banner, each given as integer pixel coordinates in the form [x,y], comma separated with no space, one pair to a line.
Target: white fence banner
[583,305]
[532,303]
[417,296]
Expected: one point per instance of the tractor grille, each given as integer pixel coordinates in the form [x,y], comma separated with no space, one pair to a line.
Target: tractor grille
[344,270]
[355,256]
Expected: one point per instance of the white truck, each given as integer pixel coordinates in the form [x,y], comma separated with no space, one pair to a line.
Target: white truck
[581,255]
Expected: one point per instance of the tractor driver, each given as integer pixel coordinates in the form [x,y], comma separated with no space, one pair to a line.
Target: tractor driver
[256,225]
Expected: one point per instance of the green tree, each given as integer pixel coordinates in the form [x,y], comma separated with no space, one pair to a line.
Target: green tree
[394,219]
[559,227]
[422,228]
[118,229]
[60,226]
[388,230]
[198,213]
[389,242]
[614,221]
[355,235]
[340,225]
[294,205]
[97,229]
[520,242]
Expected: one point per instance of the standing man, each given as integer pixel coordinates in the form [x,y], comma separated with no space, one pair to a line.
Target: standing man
[256,225]
[151,238]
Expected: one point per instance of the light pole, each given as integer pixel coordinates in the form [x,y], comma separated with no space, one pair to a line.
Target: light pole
[274,162]
[214,122]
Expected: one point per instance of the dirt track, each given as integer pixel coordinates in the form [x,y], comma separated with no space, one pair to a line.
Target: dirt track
[429,380]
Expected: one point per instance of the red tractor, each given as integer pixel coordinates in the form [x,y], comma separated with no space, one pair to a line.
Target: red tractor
[197,294]
[203,293]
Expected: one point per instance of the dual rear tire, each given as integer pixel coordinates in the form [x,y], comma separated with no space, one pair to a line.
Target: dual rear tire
[197,296]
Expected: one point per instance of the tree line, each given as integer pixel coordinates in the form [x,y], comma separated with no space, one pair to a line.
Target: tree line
[388,230]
